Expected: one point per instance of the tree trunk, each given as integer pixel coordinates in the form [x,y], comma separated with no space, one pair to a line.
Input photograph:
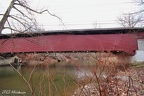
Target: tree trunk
[6,15]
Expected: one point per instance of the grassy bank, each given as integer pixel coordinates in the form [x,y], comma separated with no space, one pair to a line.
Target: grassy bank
[138,64]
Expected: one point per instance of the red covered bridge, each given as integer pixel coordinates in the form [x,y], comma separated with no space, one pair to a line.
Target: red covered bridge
[111,40]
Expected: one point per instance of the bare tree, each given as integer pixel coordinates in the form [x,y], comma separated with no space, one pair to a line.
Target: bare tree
[130,20]
[24,19]
[133,19]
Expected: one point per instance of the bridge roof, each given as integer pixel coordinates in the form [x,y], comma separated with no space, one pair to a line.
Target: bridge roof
[121,40]
[76,32]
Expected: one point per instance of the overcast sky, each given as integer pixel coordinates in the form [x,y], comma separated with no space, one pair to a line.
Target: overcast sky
[77,14]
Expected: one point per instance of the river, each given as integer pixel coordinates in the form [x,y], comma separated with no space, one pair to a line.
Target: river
[54,81]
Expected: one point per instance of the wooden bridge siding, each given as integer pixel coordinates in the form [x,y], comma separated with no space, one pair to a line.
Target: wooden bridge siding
[95,42]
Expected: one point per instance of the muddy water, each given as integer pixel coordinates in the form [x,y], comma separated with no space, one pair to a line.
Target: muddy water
[11,83]
[83,72]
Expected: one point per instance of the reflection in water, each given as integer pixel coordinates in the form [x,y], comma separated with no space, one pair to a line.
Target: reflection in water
[82,73]
[11,80]
[6,68]
[77,73]
[6,72]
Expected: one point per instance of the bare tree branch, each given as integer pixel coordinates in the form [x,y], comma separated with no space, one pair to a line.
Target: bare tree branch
[130,20]
[40,12]
[17,20]
[25,19]
[16,29]
[21,12]
[9,26]
[5,17]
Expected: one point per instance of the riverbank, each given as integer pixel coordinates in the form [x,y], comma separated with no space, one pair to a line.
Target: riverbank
[128,82]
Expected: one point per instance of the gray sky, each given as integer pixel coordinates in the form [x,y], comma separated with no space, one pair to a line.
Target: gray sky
[78,14]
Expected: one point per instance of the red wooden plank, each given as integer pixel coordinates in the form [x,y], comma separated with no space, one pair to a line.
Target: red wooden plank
[95,42]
